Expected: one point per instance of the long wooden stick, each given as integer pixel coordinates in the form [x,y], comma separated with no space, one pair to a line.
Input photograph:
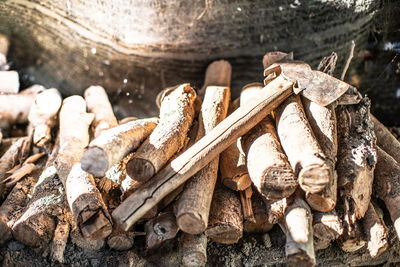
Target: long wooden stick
[176,115]
[385,139]
[160,229]
[201,153]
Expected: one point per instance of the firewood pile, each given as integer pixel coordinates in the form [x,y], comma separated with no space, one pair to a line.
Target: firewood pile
[210,167]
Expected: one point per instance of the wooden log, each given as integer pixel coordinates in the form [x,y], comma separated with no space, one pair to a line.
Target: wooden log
[301,147]
[43,115]
[9,81]
[160,229]
[218,73]
[97,103]
[267,164]
[261,216]
[120,240]
[376,231]
[201,153]
[225,224]
[297,226]
[59,242]
[385,139]
[88,245]
[193,207]
[176,116]
[112,145]
[327,227]
[386,184]
[193,250]
[12,156]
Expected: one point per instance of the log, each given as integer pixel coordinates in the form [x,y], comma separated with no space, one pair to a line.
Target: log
[376,230]
[327,227]
[120,240]
[112,145]
[9,81]
[386,184]
[13,156]
[59,242]
[225,224]
[261,216]
[193,250]
[267,164]
[193,207]
[176,116]
[97,103]
[298,229]
[385,139]
[201,153]
[160,229]
[301,147]
[276,209]
[43,115]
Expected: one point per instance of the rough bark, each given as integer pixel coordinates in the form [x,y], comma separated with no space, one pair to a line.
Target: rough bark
[376,231]
[113,144]
[385,139]
[97,103]
[193,250]
[327,227]
[176,116]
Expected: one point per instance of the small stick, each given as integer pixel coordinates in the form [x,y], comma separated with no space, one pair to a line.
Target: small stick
[193,207]
[267,164]
[98,103]
[59,242]
[376,230]
[350,57]
[43,115]
[327,227]
[225,224]
[218,73]
[193,250]
[247,207]
[386,184]
[9,81]
[176,116]
[112,145]
[297,227]
[385,139]
[261,216]
[160,229]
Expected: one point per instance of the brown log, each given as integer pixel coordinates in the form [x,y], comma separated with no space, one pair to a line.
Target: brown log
[84,243]
[193,250]
[376,231]
[176,116]
[297,226]
[232,165]
[386,184]
[201,153]
[114,144]
[9,81]
[267,164]
[261,216]
[356,162]
[120,240]
[385,139]
[327,227]
[225,224]
[193,207]
[97,103]
[247,207]
[43,115]
[160,229]
[301,147]
[59,242]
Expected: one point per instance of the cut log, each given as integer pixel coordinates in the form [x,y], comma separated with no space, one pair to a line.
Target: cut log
[59,242]
[261,216]
[201,153]
[176,116]
[376,230]
[43,115]
[225,224]
[301,147]
[387,185]
[97,103]
[298,229]
[160,229]
[193,207]
[267,164]
[327,227]
[120,240]
[9,81]
[385,139]
[193,250]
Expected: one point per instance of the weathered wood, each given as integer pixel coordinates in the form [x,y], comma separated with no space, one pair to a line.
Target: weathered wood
[43,115]
[201,153]
[120,240]
[114,144]
[59,242]
[301,147]
[160,229]
[261,216]
[327,227]
[385,139]
[387,185]
[97,103]
[376,231]
[176,116]
[193,250]
[9,81]
[225,224]
[193,207]
[267,164]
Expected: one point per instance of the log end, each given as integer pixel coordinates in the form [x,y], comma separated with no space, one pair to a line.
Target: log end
[94,161]
[140,169]
[194,259]
[280,182]
[120,242]
[238,183]
[320,202]
[224,234]
[191,223]
[314,178]
[300,259]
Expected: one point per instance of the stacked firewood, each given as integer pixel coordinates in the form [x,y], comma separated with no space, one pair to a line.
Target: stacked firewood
[80,173]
